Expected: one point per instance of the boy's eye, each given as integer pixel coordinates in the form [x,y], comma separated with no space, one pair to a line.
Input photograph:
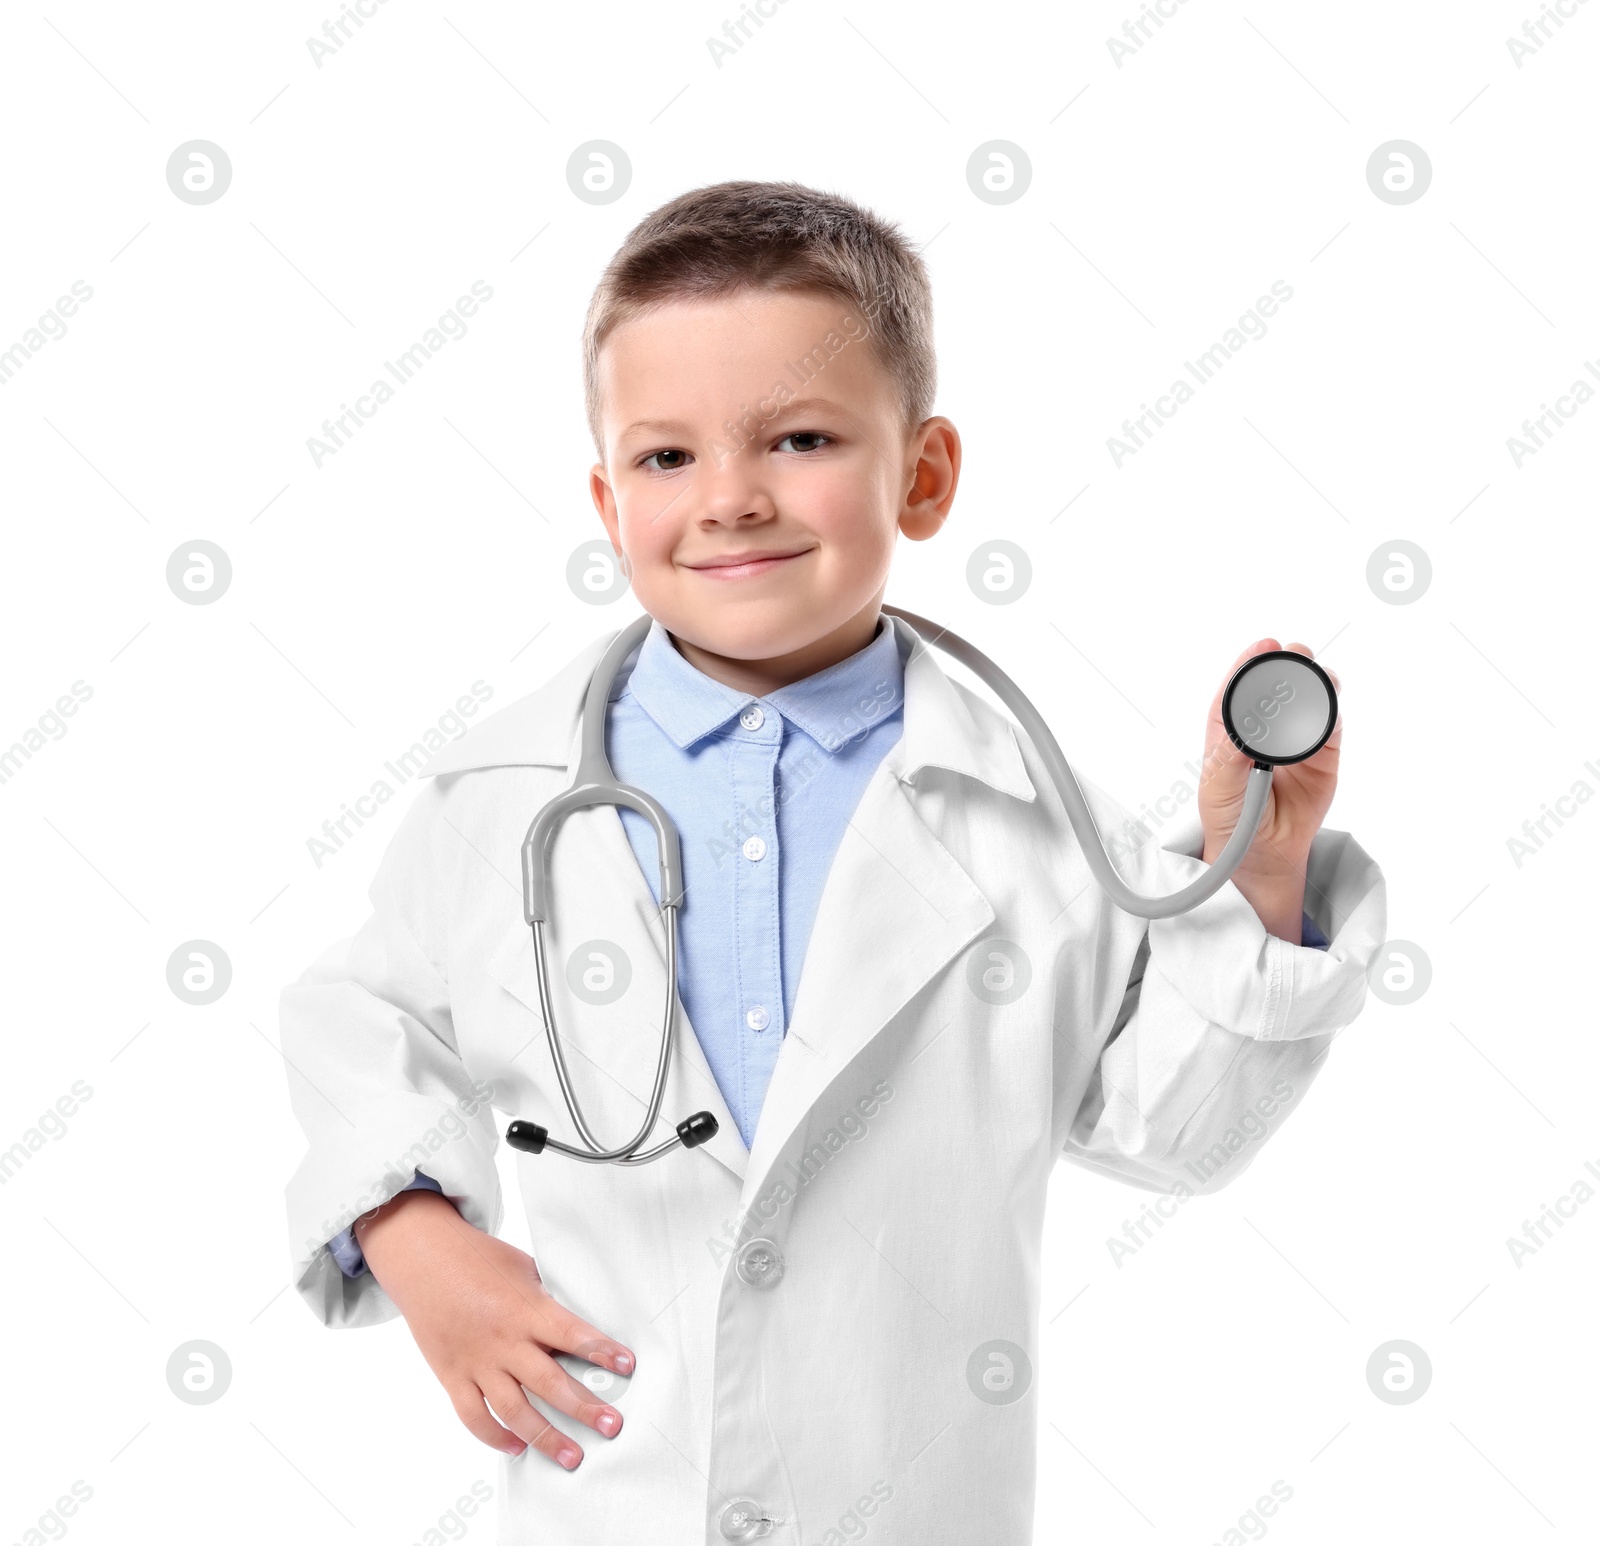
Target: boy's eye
[671,466]
[806,434]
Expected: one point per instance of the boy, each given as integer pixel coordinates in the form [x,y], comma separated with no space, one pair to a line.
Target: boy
[901,993]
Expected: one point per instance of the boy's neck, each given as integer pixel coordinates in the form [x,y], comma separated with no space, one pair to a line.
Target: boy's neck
[760,677]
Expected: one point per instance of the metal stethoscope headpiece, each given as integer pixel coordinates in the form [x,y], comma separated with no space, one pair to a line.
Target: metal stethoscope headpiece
[594,783]
[1278,708]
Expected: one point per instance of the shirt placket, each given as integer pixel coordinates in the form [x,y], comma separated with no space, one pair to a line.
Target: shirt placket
[758,1008]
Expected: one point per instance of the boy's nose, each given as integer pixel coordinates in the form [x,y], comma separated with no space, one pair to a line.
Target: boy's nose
[734,492]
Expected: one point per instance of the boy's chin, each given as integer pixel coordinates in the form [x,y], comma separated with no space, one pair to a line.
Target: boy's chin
[751,628]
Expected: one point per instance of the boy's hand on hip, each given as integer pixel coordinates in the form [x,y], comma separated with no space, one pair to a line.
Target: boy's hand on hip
[486,1325]
[1273,876]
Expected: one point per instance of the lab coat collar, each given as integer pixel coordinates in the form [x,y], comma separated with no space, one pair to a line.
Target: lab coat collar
[950,727]
[945,725]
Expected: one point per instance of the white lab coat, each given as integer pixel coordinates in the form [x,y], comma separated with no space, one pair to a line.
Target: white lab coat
[859,1389]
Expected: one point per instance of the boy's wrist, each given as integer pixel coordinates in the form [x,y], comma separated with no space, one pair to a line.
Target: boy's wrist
[1278,898]
[380,1232]
[1275,886]
[1268,868]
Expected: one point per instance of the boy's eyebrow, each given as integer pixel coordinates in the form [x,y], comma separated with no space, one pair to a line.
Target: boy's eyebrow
[798,405]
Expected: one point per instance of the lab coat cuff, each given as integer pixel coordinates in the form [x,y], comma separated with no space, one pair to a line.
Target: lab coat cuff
[371,1158]
[1221,959]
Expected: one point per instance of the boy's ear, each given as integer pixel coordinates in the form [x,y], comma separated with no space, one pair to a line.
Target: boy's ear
[934,474]
[605,502]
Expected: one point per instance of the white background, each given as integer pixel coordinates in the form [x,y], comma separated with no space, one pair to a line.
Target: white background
[368,594]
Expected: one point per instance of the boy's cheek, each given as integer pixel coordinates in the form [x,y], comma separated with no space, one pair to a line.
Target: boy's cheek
[643,538]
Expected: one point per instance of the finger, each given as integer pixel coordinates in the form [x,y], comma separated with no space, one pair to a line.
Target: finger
[511,1406]
[560,1329]
[550,1382]
[479,1421]
[1261,646]
[1306,650]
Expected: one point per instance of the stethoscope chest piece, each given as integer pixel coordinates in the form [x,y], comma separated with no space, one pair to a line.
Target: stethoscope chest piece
[1279,707]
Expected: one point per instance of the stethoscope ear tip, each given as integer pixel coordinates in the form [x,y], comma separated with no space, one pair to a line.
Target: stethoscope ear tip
[693,1131]
[527,1136]
[698,1129]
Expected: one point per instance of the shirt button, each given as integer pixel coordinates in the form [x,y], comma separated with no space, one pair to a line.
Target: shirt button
[753,718]
[759,1264]
[757,1018]
[744,1520]
[754,848]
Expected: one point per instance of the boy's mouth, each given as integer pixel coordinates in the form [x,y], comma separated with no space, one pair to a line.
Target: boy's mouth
[746,565]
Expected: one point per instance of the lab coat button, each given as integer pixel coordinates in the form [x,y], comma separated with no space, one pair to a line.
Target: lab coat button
[757,1018]
[759,1264]
[745,1520]
[753,718]
[754,848]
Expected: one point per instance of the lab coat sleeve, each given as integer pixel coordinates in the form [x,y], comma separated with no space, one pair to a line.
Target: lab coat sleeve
[376,1079]
[1222,1027]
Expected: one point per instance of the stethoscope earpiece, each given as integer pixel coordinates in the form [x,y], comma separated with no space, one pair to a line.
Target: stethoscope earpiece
[527,1136]
[698,1129]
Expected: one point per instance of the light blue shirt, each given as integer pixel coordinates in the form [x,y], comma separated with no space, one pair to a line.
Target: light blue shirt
[761,790]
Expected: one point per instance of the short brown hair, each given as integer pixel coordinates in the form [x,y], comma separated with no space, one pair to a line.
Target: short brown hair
[732,236]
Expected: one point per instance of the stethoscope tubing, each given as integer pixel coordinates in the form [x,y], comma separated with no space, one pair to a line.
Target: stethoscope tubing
[1257,788]
[626,1154]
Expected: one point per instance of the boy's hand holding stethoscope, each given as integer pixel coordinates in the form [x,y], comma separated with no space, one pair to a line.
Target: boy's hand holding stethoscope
[1272,876]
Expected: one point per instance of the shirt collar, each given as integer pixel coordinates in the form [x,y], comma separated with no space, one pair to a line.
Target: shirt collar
[831,705]
[946,725]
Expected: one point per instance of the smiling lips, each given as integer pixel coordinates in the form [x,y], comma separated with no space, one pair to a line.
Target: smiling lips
[745,566]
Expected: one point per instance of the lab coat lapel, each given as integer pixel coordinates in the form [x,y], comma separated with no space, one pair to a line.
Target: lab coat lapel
[896,908]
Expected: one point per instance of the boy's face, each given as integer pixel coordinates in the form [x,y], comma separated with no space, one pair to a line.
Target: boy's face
[756,509]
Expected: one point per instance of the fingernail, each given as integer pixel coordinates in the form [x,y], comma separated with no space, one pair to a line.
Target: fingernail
[622,1362]
[569,1457]
[608,1423]
[516,1453]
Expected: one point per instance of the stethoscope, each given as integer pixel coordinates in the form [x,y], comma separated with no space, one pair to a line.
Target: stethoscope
[1278,708]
